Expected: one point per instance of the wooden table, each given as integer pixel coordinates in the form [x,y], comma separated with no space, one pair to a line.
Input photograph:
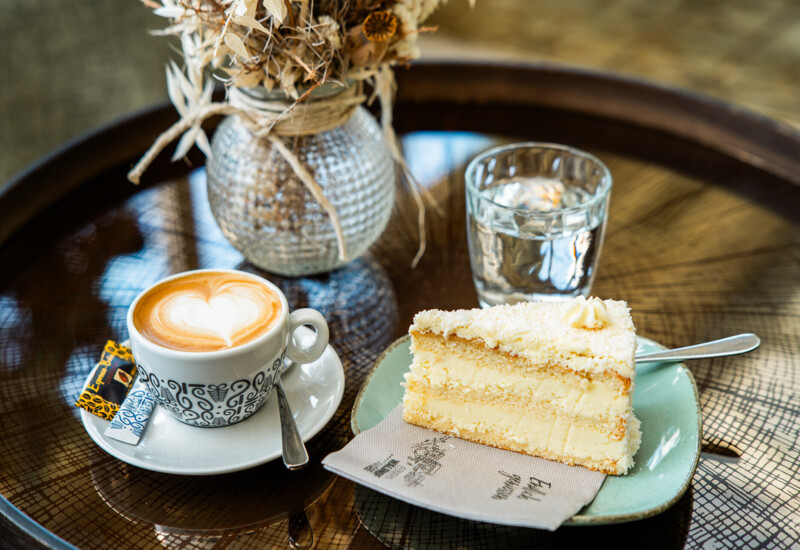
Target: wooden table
[703,242]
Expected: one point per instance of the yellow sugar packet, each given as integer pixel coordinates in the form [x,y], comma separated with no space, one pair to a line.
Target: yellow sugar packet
[110,382]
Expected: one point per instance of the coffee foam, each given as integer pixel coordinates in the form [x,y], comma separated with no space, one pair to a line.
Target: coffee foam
[207,311]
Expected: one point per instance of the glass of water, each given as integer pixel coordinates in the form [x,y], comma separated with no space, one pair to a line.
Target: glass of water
[536,215]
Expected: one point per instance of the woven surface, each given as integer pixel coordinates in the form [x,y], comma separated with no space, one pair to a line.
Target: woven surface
[700,246]
[70,65]
[744,51]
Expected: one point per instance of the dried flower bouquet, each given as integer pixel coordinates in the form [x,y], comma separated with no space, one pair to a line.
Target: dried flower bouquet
[263,49]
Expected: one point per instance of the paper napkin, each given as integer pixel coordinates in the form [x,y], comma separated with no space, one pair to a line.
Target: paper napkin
[450,475]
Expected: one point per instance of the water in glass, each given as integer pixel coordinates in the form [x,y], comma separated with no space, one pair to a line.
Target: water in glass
[530,239]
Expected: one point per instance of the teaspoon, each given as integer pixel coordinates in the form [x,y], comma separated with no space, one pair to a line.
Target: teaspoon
[295,455]
[732,345]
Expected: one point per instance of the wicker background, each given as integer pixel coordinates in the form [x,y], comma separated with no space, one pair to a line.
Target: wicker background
[70,65]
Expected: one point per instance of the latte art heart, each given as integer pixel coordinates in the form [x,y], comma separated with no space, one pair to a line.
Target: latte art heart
[207,312]
[223,316]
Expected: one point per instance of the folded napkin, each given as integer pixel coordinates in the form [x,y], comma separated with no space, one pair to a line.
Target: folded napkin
[450,475]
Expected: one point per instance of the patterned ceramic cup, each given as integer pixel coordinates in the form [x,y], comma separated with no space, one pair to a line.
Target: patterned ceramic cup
[224,386]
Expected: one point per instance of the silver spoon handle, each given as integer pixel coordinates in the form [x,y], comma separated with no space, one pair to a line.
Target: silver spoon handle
[732,345]
[295,455]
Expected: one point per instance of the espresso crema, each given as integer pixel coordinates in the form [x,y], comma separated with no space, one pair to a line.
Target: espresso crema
[208,311]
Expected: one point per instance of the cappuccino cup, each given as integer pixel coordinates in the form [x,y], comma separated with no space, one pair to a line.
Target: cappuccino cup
[210,343]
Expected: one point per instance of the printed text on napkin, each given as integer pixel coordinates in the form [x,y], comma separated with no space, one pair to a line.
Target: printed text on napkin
[449,475]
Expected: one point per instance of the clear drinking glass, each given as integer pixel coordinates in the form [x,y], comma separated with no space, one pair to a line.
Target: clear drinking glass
[536,215]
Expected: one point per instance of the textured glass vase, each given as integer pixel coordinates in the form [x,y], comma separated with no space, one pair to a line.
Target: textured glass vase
[269,215]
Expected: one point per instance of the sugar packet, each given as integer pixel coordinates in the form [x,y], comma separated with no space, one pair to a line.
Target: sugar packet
[110,382]
[115,392]
[129,423]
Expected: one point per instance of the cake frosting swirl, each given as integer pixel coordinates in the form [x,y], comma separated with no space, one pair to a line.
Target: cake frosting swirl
[583,313]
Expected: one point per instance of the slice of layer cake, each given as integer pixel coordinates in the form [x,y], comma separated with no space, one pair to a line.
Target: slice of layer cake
[550,379]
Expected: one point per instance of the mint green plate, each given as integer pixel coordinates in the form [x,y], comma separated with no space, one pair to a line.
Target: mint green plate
[665,401]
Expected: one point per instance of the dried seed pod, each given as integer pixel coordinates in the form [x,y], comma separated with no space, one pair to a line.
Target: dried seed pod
[379,26]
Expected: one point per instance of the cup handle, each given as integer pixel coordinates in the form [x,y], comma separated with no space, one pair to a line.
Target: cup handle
[314,351]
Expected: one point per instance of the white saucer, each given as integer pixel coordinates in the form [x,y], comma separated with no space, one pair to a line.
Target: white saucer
[167,445]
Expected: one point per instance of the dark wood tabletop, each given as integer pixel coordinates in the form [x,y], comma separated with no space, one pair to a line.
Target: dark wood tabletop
[703,242]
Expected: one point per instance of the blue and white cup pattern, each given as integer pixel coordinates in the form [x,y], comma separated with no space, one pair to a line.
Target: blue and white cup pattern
[214,405]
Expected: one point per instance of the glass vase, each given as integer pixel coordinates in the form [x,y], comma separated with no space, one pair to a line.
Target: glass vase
[270,216]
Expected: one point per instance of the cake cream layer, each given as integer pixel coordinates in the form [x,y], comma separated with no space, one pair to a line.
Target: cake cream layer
[612,427]
[537,331]
[559,438]
[463,366]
